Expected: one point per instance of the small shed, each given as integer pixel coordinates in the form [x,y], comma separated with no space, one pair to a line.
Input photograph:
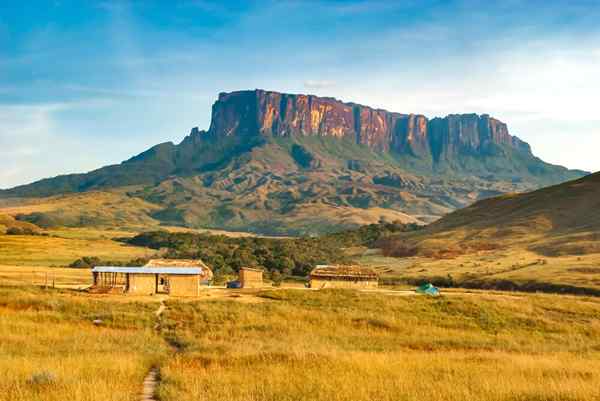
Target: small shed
[251,277]
[343,276]
[164,276]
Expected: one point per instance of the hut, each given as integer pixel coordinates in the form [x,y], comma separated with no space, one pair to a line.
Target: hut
[342,276]
[251,277]
[160,276]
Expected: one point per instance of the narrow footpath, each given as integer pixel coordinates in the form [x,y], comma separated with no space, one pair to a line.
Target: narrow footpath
[150,384]
[152,379]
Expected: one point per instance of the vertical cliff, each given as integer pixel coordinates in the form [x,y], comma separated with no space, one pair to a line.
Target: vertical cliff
[274,114]
[455,149]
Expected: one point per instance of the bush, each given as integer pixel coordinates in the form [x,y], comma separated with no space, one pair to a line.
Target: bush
[397,249]
[86,262]
[21,231]
[14,231]
[42,378]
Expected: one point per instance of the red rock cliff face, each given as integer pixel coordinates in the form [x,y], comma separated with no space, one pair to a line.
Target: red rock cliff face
[277,114]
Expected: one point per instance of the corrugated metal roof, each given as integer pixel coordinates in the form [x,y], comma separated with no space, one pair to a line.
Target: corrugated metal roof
[147,270]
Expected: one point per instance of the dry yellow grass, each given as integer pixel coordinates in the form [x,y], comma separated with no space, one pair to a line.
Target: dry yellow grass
[45,276]
[547,237]
[554,221]
[513,264]
[7,222]
[52,351]
[94,208]
[349,215]
[62,247]
[342,345]
[300,345]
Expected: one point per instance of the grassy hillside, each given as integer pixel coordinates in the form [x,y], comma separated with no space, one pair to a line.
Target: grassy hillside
[62,247]
[558,220]
[89,209]
[561,208]
[300,185]
[544,240]
[8,222]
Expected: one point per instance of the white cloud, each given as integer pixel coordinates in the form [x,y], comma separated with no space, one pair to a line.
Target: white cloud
[35,143]
[25,132]
[545,89]
[319,84]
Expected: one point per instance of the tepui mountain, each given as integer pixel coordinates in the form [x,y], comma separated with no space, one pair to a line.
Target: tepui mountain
[278,163]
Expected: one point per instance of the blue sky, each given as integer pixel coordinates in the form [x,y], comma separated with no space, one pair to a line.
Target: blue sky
[85,84]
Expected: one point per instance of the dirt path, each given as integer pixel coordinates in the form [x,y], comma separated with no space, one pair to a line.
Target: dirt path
[158,313]
[153,377]
[150,383]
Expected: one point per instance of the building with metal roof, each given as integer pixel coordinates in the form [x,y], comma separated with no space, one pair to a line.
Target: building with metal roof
[166,276]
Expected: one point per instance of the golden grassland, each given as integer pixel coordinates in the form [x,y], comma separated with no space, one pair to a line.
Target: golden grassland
[94,208]
[516,265]
[345,345]
[300,345]
[41,276]
[62,247]
[548,237]
[7,222]
[51,350]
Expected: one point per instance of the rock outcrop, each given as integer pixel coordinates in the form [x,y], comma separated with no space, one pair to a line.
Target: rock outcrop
[274,114]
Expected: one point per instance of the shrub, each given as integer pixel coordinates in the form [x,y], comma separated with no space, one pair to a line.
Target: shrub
[397,249]
[14,231]
[21,231]
[42,378]
[88,262]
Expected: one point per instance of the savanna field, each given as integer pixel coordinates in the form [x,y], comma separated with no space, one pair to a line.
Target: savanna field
[202,200]
[300,345]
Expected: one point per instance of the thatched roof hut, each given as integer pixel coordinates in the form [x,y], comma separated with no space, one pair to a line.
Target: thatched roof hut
[343,276]
[350,271]
[207,273]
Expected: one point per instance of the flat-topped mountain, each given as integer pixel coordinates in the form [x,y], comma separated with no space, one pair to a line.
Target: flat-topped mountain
[280,163]
[273,114]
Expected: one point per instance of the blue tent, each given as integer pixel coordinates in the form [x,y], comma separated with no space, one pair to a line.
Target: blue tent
[428,289]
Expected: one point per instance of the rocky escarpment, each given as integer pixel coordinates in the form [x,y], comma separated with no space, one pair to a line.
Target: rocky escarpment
[294,164]
[272,114]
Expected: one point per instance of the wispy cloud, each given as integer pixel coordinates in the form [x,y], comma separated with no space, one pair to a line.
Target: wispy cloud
[132,74]
[319,84]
